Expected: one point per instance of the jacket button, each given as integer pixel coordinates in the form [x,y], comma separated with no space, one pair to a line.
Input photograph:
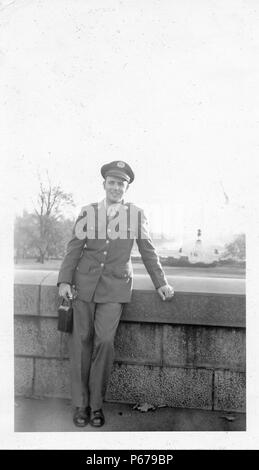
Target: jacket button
[102,264]
[105,252]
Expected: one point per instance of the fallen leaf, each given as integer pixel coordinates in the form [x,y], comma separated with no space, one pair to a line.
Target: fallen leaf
[144,407]
[229,417]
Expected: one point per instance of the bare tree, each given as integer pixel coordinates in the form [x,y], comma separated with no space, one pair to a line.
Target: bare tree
[50,203]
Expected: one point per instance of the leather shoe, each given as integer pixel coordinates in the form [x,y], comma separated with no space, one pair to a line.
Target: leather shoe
[97,418]
[81,417]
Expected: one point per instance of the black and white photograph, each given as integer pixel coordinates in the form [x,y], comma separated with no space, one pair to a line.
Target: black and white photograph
[130,132]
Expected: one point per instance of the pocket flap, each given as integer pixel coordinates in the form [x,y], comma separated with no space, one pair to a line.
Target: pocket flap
[84,265]
[122,271]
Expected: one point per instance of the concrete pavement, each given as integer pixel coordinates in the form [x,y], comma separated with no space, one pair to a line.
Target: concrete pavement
[49,414]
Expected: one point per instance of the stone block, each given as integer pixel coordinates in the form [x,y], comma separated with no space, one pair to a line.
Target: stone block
[178,387]
[229,390]
[187,388]
[187,308]
[26,341]
[49,301]
[52,378]
[26,299]
[135,383]
[23,376]
[203,346]
[139,343]
[38,337]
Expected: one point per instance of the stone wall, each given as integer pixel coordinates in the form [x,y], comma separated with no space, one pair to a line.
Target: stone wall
[186,353]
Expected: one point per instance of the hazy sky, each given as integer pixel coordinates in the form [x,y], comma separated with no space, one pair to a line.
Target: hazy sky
[168,86]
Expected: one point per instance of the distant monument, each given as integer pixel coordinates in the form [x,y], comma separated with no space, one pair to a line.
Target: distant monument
[197,254]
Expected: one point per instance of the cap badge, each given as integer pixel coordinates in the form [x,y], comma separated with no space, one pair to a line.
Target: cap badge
[121,164]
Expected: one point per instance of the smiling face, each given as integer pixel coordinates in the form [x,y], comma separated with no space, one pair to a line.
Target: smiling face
[115,189]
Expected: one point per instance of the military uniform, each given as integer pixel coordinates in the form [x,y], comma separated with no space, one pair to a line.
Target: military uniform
[99,266]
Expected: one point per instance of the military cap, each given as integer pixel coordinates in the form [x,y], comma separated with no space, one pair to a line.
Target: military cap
[118,168]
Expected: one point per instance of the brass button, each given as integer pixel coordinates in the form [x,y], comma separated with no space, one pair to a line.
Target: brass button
[102,264]
[105,252]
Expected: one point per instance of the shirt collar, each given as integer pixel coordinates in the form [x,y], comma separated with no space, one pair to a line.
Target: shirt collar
[116,204]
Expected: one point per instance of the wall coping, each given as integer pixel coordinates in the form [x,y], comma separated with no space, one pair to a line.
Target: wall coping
[206,285]
[207,304]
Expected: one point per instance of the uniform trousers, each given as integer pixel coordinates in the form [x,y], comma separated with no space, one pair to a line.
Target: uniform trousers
[91,346]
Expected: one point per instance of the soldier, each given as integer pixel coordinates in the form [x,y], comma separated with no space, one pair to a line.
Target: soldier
[97,273]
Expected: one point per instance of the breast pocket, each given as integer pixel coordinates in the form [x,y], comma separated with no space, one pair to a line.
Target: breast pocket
[126,234]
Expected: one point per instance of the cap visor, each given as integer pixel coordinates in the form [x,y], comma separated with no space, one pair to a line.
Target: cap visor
[119,174]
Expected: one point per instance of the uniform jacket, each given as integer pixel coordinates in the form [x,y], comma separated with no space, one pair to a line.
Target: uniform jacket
[99,265]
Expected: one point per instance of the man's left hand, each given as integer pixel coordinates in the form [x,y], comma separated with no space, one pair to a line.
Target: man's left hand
[166,292]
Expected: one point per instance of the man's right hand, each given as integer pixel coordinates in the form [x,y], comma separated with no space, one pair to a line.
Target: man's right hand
[65,291]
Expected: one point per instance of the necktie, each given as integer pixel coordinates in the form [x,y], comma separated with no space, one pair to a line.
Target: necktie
[112,210]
